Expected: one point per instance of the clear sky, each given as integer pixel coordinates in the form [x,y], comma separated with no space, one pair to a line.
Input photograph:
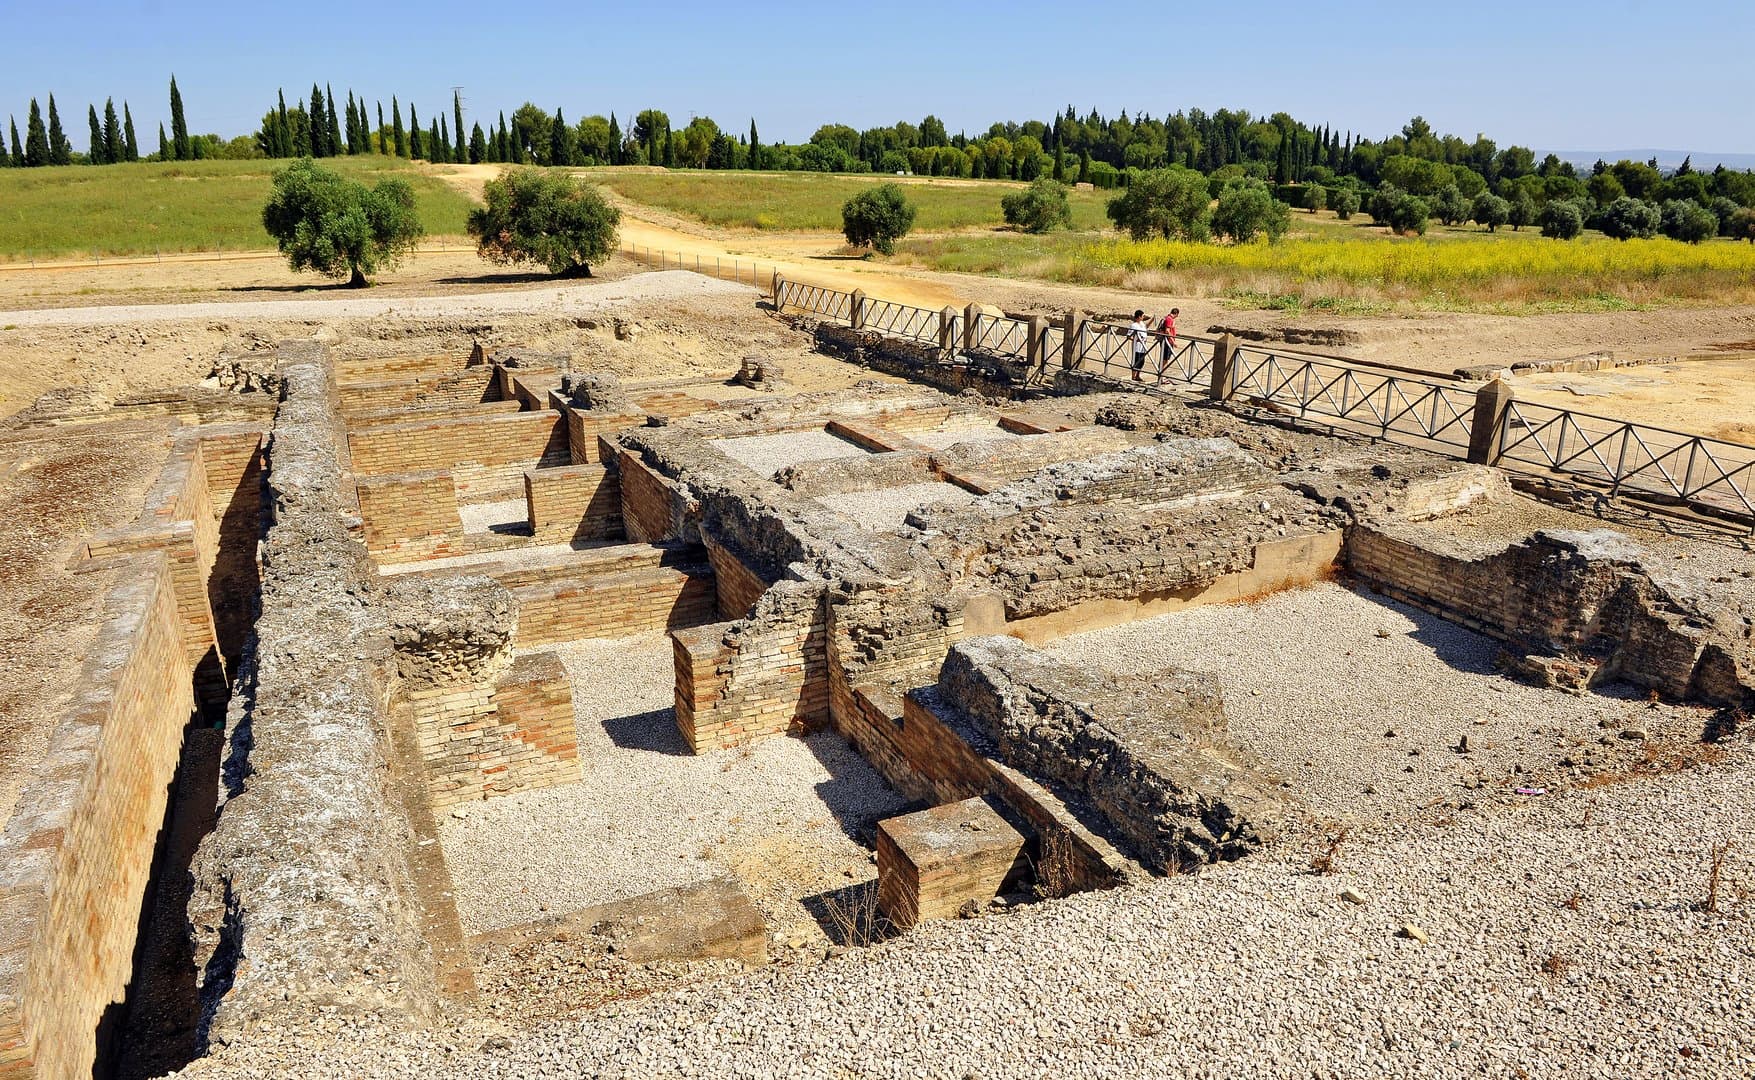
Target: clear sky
[1610,74]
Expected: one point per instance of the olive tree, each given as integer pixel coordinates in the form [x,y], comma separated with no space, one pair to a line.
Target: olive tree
[1688,221]
[1172,203]
[339,227]
[1741,225]
[1247,209]
[1039,208]
[1315,197]
[1490,211]
[877,217]
[544,219]
[1450,207]
[1561,220]
[1344,202]
[1628,218]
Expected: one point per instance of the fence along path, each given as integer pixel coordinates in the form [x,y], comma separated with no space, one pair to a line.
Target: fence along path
[1488,426]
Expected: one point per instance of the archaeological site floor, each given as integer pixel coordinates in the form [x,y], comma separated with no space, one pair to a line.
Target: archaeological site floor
[468,711]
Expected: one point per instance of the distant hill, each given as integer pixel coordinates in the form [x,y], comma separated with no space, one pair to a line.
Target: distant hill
[1667,159]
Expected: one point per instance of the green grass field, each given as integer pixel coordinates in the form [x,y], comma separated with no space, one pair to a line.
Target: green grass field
[150,207]
[806,201]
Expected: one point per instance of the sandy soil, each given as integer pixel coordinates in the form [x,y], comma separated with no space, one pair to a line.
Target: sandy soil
[1715,396]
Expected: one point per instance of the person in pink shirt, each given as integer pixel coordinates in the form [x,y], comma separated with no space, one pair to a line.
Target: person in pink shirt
[1168,328]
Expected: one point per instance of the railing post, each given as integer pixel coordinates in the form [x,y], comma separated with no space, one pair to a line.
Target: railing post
[1491,401]
[1224,359]
[777,280]
[971,327]
[1037,326]
[856,310]
[1075,336]
[947,329]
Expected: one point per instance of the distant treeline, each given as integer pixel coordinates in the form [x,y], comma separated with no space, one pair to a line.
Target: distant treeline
[1445,171]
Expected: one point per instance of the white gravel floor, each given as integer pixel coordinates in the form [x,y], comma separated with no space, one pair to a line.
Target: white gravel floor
[938,440]
[1312,687]
[648,815]
[885,508]
[767,454]
[484,516]
[1566,940]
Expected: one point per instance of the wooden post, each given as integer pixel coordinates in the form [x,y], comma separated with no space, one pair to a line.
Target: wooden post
[856,310]
[1074,326]
[971,331]
[947,329]
[1491,403]
[1224,360]
[1036,326]
[777,282]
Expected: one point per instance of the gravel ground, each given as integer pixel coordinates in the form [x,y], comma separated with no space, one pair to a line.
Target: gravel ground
[1565,938]
[483,516]
[885,508]
[648,815]
[766,454]
[1360,702]
[939,440]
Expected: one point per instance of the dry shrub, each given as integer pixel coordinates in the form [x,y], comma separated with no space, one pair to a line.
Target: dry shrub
[1715,872]
[852,917]
[1324,862]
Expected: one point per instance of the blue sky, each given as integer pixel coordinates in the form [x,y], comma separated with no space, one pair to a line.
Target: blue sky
[1562,76]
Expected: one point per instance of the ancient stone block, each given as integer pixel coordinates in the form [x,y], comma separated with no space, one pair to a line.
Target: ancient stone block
[932,862]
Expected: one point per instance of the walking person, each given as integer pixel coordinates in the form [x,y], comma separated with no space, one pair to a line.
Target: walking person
[1168,329]
[1141,332]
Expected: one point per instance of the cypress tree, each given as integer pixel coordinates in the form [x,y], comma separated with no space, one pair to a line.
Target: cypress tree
[1085,166]
[415,141]
[113,148]
[97,155]
[283,132]
[559,150]
[460,153]
[164,150]
[319,124]
[60,150]
[17,150]
[381,147]
[179,125]
[670,149]
[755,146]
[615,140]
[130,145]
[444,153]
[1060,163]
[434,150]
[478,151]
[504,140]
[353,125]
[396,128]
[336,146]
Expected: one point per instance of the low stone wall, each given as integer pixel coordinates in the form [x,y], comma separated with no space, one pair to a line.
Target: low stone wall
[1580,599]
[481,451]
[77,852]
[759,676]
[739,587]
[1151,756]
[573,502]
[285,929]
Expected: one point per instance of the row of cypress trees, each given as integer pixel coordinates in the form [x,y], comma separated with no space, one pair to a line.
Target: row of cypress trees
[112,138]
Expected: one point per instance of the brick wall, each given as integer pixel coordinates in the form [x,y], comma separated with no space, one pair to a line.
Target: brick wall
[480,741]
[398,510]
[573,502]
[233,460]
[352,370]
[470,386]
[615,604]
[481,451]
[739,587]
[652,507]
[764,675]
[584,427]
[77,852]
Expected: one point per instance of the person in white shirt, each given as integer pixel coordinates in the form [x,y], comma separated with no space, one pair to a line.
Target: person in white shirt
[1141,332]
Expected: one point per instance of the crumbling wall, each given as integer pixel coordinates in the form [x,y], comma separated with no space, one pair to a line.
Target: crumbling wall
[1151,755]
[1580,603]
[302,898]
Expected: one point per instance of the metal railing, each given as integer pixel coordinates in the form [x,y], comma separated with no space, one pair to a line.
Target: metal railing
[1109,348]
[1708,474]
[901,320]
[1427,414]
[1633,457]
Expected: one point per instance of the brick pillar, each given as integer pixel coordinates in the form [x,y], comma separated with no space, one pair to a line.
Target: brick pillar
[1037,326]
[1224,359]
[1491,401]
[856,310]
[969,329]
[1074,325]
[947,329]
